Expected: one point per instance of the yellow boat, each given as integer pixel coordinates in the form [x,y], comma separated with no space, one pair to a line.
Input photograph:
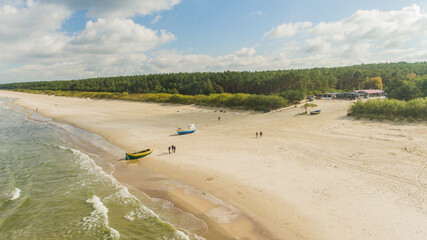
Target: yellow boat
[315,112]
[139,154]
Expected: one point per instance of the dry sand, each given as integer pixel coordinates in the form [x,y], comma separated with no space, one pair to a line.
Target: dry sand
[309,177]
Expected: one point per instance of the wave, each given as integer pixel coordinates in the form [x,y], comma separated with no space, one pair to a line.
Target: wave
[122,193]
[98,182]
[100,216]
[16,193]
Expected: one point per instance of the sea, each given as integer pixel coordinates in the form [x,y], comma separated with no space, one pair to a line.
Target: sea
[51,188]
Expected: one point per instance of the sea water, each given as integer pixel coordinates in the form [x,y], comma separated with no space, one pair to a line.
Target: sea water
[51,189]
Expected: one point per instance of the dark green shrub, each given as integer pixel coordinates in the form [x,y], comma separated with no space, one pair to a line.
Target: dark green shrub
[293,95]
[390,109]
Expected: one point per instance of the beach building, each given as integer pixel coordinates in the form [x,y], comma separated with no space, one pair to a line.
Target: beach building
[371,93]
[356,94]
[329,95]
[348,96]
[340,96]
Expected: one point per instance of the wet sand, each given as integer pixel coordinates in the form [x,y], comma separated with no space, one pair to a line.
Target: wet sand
[309,177]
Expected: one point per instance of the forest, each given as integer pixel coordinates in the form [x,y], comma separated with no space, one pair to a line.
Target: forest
[409,76]
[403,81]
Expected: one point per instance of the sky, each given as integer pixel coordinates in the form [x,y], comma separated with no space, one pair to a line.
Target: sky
[43,40]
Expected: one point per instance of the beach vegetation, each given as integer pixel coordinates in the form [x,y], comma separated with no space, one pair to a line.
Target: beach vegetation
[390,109]
[308,105]
[294,96]
[239,100]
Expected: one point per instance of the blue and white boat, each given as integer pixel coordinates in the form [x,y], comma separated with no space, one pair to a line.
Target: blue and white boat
[191,129]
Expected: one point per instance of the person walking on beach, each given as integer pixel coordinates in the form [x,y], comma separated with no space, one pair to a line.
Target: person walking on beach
[260,134]
[173,148]
[169,149]
[256,134]
[219,118]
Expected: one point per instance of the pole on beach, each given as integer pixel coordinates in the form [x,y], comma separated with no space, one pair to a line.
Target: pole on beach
[210,184]
[305,104]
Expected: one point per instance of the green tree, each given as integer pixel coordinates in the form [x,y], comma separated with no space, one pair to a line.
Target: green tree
[293,95]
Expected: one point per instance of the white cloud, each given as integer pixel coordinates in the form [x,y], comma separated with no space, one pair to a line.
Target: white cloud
[374,25]
[316,45]
[172,61]
[156,19]
[17,23]
[117,36]
[245,52]
[365,37]
[74,67]
[114,8]
[287,30]
[33,47]
[30,31]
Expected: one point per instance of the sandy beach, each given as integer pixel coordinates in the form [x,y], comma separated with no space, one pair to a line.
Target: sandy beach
[325,176]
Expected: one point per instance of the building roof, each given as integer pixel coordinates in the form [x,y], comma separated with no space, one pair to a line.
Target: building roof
[370,91]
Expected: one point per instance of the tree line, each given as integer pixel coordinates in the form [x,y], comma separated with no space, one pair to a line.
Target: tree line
[401,80]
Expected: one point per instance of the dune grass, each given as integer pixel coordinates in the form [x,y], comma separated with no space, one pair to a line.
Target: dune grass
[391,109]
[241,100]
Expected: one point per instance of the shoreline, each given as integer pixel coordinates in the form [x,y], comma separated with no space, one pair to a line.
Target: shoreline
[309,177]
[185,199]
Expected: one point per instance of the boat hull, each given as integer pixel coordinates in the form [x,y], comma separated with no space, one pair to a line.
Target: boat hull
[182,132]
[315,112]
[141,154]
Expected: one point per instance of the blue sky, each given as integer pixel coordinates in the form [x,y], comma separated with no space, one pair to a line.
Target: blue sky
[74,39]
[222,26]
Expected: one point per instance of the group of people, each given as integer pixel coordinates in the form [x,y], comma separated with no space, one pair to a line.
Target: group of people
[260,134]
[173,148]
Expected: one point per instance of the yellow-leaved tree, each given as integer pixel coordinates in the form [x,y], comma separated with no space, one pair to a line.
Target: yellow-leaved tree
[411,76]
[373,83]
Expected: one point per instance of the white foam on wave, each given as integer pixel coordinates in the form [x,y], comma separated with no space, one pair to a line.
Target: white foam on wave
[122,193]
[86,163]
[99,216]
[143,212]
[139,213]
[16,193]
[179,235]
[63,148]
